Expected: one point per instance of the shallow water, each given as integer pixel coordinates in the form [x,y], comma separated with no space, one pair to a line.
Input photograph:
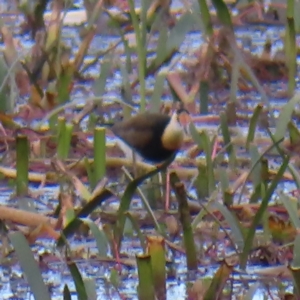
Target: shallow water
[56,273]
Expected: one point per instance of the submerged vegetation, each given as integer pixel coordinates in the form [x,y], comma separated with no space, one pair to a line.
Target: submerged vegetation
[232,225]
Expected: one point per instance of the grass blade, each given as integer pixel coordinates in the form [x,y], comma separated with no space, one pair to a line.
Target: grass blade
[84,212]
[79,284]
[227,140]
[204,99]
[157,92]
[179,32]
[290,46]
[145,287]
[22,165]
[218,282]
[126,200]
[285,116]
[67,293]
[30,266]
[100,237]
[295,267]
[91,288]
[222,12]
[99,154]
[291,205]
[185,220]
[140,35]
[258,217]
[203,142]
[233,223]
[205,16]
[100,82]
[256,167]
[253,123]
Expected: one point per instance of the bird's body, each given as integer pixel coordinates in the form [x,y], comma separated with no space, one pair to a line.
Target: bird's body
[154,136]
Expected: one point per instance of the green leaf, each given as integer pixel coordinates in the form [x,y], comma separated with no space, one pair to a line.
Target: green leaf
[290,46]
[136,226]
[293,133]
[126,88]
[253,123]
[179,31]
[203,141]
[254,164]
[114,278]
[292,208]
[127,196]
[222,12]
[227,139]
[30,266]
[157,92]
[224,179]
[100,237]
[205,16]
[84,212]
[91,288]
[295,266]
[79,284]
[258,217]
[161,49]
[285,116]
[67,293]
[100,82]
[255,158]
[204,97]
[296,176]
[233,223]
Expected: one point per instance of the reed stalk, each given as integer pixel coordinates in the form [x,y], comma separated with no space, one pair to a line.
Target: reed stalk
[156,249]
[185,220]
[99,153]
[145,287]
[140,35]
[22,165]
[64,138]
[290,46]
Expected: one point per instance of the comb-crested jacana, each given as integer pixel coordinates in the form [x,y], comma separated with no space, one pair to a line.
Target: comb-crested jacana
[154,136]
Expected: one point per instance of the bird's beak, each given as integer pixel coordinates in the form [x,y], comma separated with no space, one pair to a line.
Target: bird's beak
[185,121]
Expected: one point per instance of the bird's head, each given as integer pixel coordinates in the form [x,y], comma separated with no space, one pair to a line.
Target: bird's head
[181,119]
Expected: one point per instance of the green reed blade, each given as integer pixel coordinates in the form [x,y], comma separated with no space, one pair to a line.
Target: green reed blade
[140,35]
[156,249]
[185,220]
[79,284]
[157,92]
[222,12]
[145,287]
[253,123]
[127,196]
[22,164]
[204,99]
[285,117]
[64,138]
[205,16]
[30,266]
[258,217]
[291,47]
[99,153]
[227,139]
[67,293]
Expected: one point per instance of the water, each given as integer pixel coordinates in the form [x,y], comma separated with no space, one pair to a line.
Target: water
[55,271]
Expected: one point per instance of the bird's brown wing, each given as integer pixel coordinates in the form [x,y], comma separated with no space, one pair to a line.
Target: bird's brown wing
[139,130]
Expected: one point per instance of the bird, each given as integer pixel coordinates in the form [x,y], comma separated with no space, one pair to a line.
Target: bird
[154,137]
